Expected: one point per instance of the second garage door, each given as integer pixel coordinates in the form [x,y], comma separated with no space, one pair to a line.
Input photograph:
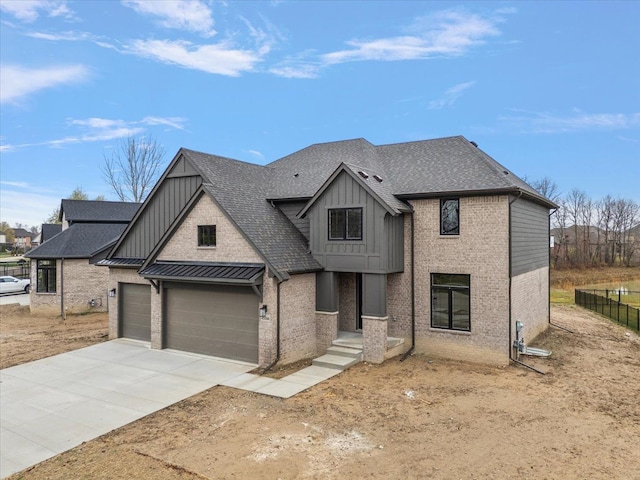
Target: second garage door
[219,320]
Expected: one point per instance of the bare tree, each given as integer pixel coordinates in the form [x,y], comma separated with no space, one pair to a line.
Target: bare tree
[548,188]
[133,168]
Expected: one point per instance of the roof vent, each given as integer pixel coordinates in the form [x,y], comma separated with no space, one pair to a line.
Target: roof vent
[378,178]
[296,175]
[505,172]
[473,143]
[363,174]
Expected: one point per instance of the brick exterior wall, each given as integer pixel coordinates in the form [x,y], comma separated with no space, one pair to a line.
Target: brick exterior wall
[82,282]
[298,318]
[267,328]
[481,251]
[122,275]
[530,303]
[231,246]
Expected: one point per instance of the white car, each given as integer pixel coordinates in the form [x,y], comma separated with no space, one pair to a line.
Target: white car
[13,284]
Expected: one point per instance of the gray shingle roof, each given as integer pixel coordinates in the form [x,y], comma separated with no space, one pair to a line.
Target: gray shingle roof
[49,230]
[428,167]
[80,240]
[95,211]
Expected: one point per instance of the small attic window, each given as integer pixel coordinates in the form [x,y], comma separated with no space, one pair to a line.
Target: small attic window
[363,174]
[378,178]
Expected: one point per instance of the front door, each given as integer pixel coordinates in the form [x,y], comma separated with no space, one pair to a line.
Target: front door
[358,301]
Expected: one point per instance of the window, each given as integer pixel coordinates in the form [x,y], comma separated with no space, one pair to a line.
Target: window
[345,224]
[449,216]
[46,276]
[206,235]
[450,301]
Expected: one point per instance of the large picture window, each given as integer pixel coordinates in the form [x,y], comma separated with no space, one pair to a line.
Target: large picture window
[450,216]
[46,272]
[345,224]
[206,235]
[451,301]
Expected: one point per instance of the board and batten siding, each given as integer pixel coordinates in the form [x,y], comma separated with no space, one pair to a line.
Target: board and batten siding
[158,214]
[529,237]
[291,210]
[381,249]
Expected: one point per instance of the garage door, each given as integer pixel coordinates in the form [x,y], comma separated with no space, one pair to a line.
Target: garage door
[221,321]
[135,311]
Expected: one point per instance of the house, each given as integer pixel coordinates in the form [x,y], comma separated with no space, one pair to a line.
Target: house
[22,239]
[64,276]
[430,242]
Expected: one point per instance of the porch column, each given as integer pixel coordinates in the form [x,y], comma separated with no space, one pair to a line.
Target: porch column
[374,317]
[326,310]
[374,338]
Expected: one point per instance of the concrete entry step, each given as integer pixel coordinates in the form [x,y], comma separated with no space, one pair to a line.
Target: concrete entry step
[345,351]
[339,362]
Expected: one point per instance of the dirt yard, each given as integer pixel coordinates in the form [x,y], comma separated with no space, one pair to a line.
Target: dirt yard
[423,418]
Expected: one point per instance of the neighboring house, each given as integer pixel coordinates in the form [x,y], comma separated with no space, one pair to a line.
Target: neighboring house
[22,239]
[432,242]
[64,276]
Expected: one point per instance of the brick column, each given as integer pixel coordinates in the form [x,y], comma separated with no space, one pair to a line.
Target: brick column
[374,332]
[326,330]
[156,318]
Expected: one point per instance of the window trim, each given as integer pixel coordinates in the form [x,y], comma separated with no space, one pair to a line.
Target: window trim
[201,233]
[45,269]
[450,289]
[442,231]
[345,227]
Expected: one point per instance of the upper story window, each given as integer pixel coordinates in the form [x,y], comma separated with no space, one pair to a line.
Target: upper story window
[345,224]
[450,216]
[46,272]
[206,235]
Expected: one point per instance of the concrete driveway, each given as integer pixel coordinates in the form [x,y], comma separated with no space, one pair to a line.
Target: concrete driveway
[9,298]
[54,404]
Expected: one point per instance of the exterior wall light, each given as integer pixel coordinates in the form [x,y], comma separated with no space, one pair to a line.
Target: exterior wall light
[263,311]
[112,292]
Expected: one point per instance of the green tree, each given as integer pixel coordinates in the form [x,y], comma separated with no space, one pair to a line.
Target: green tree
[6,229]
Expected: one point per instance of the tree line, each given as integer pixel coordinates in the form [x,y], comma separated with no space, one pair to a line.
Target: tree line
[592,232]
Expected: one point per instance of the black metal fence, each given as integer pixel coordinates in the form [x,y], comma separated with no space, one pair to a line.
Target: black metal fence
[19,269]
[610,307]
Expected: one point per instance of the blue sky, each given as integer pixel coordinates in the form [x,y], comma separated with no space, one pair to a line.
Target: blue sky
[546,88]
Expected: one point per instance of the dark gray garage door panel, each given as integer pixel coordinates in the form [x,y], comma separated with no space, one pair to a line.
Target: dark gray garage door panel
[219,320]
[135,311]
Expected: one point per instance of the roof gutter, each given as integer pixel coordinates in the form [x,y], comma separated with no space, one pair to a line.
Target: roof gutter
[413,291]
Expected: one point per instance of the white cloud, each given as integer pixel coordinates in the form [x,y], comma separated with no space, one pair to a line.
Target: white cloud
[26,205]
[215,58]
[30,10]
[16,81]
[15,184]
[191,15]
[97,129]
[69,36]
[450,95]
[543,122]
[446,33]
[256,154]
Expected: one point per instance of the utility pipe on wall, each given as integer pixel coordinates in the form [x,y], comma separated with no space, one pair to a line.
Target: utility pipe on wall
[413,291]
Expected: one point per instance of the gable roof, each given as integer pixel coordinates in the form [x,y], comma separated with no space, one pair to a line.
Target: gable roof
[373,184]
[97,211]
[22,233]
[80,240]
[240,189]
